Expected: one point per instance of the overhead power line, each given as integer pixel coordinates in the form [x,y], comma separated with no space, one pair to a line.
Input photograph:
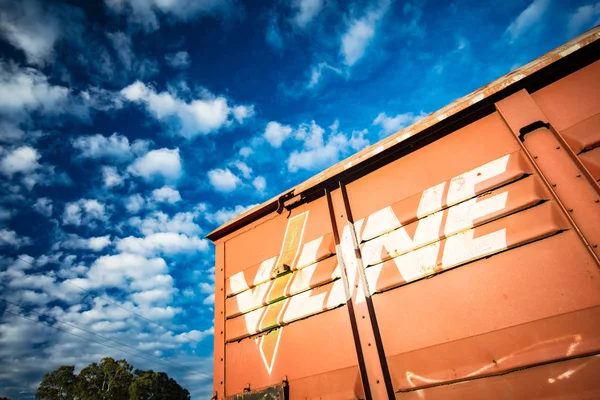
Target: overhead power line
[187,367]
[199,373]
[128,310]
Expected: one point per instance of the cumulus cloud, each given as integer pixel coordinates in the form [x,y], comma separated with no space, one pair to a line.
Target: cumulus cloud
[27,90]
[223,179]
[21,26]
[394,124]
[244,169]
[134,203]
[76,242]
[111,177]
[163,164]
[584,18]
[9,238]
[156,222]
[43,205]
[21,160]
[168,243]
[84,211]
[115,148]
[526,19]
[226,214]
[276,134]
[166,194]
[190,118]
[259,183]
[305,11]
[317,152]
[179,60]
[273,34]
[146,13]
[360,32]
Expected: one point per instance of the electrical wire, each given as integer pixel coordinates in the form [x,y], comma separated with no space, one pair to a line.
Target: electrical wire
[100,336]
[126,309]
[203,374]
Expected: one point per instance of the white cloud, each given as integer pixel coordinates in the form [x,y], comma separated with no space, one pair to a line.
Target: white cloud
[306,11]
[275,133]
[84,211]
[226,214]
[12,239]
[317,72]
[394,124]
[317,152]
[78,243]
[22,160]
[246,152]
[242,113]
[527,19]
[273,34]
[43,205]
[146,13]
[182,222]
[166,195]
[111,177]
[26,90]
[179,60]
[168,243]
[188,118]
[134,203]
[360,33]
[210,299]
[115,147]
[584,18]
[243,168]
[5,214]
[121,269]
[259,183]
[223,179]
[21,25]
[162,164]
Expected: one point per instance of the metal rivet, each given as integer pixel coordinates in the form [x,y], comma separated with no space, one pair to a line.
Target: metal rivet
[356,286]
[578,176]
[369,344]
[221,269]
[554,185]
[557,147]
[221,359]
[377,380]
[363,317]
[535,157]
[221,312]
[595,246]
[221,289]
[221,332]
[221,382]
[597,201]
[570,210]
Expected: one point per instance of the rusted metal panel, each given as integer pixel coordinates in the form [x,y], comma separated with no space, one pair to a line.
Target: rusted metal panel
[572,379]
[499,296]
[310,350]
[591,160]
[498,213]
[276,392]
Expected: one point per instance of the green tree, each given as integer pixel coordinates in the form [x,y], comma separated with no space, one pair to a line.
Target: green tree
[156,386]
[109,380]
[58,384]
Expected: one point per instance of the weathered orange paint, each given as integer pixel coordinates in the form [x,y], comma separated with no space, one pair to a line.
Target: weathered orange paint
[468,266]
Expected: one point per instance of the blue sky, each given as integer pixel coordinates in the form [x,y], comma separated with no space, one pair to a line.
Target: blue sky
[130,129]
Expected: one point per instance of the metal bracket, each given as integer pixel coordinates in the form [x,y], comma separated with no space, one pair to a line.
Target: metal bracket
[532,127]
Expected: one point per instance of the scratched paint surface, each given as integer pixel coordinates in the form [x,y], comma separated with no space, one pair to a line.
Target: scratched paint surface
[513,279]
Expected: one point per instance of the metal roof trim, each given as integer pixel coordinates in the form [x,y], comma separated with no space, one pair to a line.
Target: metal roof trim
[429,121]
